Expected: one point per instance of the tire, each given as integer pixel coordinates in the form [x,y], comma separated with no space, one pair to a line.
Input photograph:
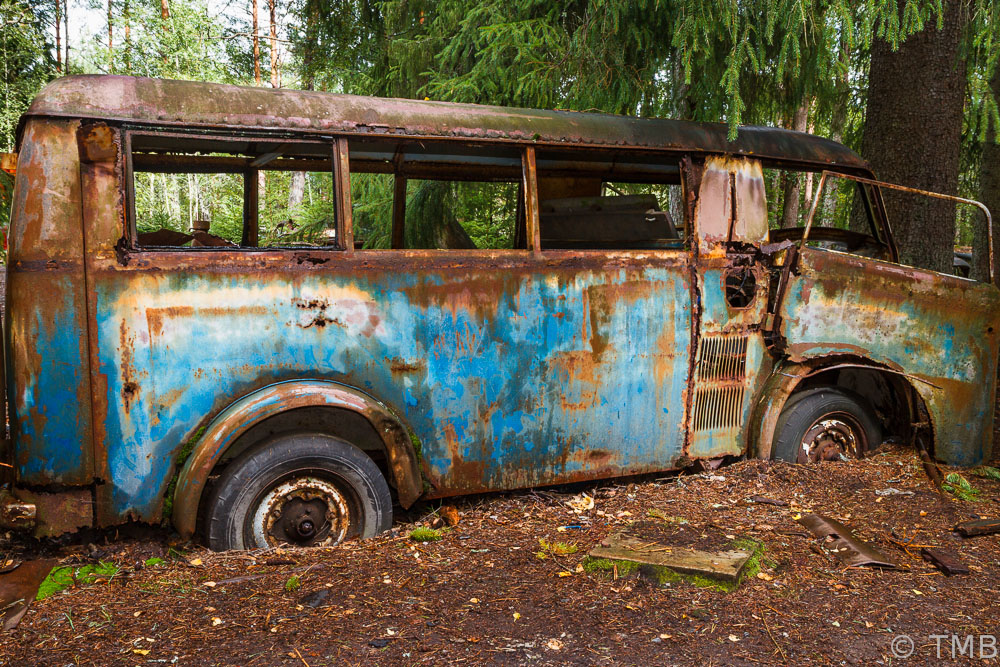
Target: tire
[303,490]
[825,424]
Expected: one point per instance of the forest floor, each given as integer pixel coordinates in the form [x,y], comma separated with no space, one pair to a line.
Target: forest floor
[507,585]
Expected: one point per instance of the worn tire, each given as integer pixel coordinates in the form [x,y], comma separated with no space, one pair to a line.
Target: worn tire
[266,496]
[799,434]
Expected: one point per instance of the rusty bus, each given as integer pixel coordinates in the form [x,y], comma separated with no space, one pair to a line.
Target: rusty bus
[258,392]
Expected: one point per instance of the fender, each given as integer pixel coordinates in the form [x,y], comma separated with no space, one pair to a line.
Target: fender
[786,378]
[236,419]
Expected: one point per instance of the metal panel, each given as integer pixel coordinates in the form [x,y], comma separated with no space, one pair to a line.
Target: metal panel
[195,104]
[511,371]
[47,373]
[939,328]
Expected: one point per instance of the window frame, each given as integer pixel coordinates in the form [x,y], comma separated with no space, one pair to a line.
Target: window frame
[130,238]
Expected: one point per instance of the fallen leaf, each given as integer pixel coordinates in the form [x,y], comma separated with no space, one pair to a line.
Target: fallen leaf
[565,574]
[474,600]
[516,616]
[765,576]
[216,621]
[195,562]
[733,638]
[554,644]
[210,584]
[140,651]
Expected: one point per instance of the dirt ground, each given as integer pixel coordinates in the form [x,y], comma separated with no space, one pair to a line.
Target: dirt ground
[483,595]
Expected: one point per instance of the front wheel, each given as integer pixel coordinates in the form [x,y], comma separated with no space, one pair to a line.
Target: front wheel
[825,424]
[298,490]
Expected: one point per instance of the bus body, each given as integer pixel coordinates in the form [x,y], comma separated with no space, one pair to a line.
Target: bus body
[617,334]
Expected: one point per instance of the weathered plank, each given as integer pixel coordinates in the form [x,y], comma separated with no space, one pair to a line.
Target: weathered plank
[724,565]
[944,560]
[978,527]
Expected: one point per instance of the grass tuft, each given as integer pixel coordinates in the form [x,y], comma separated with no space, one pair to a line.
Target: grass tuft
[959,487]
[422,534]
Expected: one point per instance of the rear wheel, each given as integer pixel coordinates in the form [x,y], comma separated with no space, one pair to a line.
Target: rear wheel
[825,424]
[298,490]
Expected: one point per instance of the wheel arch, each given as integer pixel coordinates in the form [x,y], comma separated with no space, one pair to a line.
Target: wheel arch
[893,395]
[244,414]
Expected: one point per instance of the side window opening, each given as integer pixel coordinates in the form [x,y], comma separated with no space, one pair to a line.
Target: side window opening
[593,200]
[189,192]
[845,218]
[435,195]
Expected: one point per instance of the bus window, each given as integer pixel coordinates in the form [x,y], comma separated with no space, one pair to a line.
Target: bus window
[431,195]
[193,192]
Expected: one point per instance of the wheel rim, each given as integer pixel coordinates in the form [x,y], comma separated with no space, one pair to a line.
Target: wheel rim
[303,511]
[833,437]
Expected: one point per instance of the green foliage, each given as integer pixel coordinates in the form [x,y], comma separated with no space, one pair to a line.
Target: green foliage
[153,562]
[959,486]
[989,472]
[61,578]
[555,548]
[293,584]
[423,534]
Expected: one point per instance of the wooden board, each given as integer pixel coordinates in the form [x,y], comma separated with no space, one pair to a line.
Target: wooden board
[944,560]
[724,565]
[980,527]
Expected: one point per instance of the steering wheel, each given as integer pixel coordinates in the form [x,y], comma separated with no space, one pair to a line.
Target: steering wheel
[853,242]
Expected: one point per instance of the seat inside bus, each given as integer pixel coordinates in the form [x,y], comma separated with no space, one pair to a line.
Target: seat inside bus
[618,221]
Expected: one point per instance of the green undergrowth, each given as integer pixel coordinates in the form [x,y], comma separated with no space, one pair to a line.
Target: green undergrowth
[555,548]
[67,576]
[987,472]
[422,534]
[179,461]
[959,487]
[661,575]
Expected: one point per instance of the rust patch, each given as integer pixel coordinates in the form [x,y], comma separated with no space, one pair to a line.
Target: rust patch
[130,388]
[399,366]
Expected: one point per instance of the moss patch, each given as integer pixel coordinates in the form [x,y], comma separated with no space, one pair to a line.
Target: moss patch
[179,460]
[61,578]
[422,534]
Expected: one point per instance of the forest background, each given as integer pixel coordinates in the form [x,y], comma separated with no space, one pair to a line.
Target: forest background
[912,85]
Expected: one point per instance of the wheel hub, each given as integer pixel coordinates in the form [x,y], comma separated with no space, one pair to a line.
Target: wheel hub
[304,511]
[832,438]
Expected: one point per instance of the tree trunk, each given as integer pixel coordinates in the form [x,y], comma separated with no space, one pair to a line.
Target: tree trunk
[66,33]
[989,194]
[128,37]
[165,25]
[913,134]
[256,45]
[274,44]
[792,182]
[59,60]
[111,49]
[296,191]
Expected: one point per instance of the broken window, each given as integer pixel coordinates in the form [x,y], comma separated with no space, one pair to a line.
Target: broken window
[843,212]
[207,192]
[435,195]
[605,200]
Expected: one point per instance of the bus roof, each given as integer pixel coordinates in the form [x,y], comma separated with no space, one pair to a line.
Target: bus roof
[193,104]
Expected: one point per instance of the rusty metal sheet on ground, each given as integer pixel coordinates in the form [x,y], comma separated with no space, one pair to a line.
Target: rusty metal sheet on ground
[18,588]
[849,549]
[725,565]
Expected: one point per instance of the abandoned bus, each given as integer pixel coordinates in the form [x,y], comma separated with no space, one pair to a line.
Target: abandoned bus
[268,316]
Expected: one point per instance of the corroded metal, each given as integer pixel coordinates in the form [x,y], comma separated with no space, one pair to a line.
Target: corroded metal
[190,104]
[464,370]
[15,513]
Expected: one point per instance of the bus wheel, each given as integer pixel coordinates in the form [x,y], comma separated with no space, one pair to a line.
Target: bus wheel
[299,490]
[825,424]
